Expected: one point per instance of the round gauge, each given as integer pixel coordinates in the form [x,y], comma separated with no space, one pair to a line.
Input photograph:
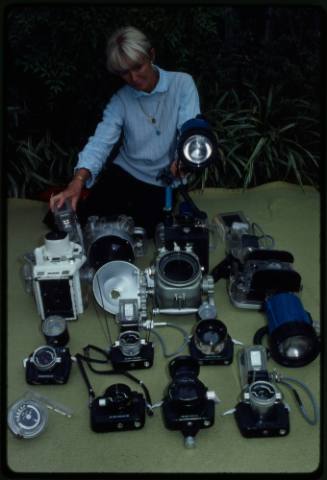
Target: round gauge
[27,418]
[44,358]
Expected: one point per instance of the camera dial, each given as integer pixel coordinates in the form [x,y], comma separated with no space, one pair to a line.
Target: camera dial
[44,357]
[262,396]
[27,418]
[130,343]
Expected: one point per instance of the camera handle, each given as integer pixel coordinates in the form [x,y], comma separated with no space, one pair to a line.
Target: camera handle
[222,269]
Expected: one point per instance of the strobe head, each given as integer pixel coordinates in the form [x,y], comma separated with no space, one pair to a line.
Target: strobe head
[197,146]
[293,340]
[116,281]
[211,344]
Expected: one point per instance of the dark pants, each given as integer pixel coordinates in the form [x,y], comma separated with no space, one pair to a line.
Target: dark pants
[117,192]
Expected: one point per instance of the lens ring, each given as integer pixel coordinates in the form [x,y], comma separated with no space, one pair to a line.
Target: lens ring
[119,395]
[262,395]
[210,336]
[179,268]
[130,343]
[44,357]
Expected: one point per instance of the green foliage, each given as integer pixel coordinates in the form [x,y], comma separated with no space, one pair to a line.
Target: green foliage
[264,139]
[257,71]
[33,167]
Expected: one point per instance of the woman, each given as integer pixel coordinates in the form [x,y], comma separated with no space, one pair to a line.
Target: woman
[147,114]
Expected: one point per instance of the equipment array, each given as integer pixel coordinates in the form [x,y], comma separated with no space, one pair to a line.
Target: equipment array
[99,262]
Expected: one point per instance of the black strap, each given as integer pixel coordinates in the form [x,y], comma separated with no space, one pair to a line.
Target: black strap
[89,360]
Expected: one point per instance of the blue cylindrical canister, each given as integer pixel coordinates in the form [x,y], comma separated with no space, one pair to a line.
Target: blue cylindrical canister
[168,198]
[284,308]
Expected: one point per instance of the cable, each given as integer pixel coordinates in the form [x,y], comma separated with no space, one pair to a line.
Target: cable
[162,343]
[284,381]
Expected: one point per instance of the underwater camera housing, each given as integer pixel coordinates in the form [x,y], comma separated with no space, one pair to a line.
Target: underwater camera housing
[261,412]
[185,229]
[253,268]
[188,405]
[177,283]
[52,273]
[130,351]
[48,365]
[118,409]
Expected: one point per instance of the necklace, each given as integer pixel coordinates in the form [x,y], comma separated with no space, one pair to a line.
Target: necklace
[152,118]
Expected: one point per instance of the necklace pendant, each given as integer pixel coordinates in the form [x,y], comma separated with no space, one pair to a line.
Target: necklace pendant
[158,132]
[153,120]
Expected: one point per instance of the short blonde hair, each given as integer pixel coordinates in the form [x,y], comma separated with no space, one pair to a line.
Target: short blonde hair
[125,47]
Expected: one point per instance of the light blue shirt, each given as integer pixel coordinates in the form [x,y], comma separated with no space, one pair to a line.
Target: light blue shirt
[144,152]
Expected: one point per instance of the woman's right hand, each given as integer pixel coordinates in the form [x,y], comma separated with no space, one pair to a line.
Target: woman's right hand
[72,192]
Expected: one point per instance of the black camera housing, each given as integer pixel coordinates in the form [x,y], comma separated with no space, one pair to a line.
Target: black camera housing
[117,410]
[57,373]
[274,424]
[225,357]
[144,359]
[224,347]
[186,406]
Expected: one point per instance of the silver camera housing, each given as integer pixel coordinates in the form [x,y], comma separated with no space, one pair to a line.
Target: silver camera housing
[99,232]
[239,284]
[177,281]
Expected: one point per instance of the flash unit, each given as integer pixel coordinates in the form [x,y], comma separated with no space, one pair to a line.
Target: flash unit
[293,340]
[197,145]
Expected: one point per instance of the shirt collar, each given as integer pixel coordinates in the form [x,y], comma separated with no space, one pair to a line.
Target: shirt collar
[162,85]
